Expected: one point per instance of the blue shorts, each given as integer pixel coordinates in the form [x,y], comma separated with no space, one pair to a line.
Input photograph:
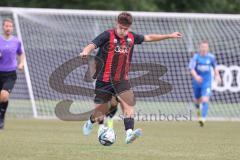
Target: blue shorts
[202,91]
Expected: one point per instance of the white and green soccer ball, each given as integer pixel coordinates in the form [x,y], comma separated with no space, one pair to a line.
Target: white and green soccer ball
[107,137]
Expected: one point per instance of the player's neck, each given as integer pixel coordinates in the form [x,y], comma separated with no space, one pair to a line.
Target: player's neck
[6,36]
[116,33]
[203,54]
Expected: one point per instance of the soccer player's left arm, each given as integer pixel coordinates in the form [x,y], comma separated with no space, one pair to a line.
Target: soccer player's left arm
[217,76]
[21,61]
[21,57]
[216,71]
[159,37]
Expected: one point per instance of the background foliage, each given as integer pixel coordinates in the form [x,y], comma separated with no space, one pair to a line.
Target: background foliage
[201,6]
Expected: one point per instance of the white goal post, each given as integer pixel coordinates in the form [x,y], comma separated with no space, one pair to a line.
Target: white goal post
[53,38]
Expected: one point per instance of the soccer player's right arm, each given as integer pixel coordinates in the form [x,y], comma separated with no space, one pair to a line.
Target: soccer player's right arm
[97,42]
[87,50]
[196,76]
[193,72]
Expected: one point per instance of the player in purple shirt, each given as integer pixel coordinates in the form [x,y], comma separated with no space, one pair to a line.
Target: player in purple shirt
[10,48]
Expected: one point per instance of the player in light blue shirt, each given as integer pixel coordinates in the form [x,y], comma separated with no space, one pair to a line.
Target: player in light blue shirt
[201,70]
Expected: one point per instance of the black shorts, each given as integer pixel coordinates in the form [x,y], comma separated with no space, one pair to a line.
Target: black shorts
[104,91]
[7,80]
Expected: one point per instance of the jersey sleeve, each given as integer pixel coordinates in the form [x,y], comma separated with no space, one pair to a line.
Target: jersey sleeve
[193,62]
[101,39]
[138,38]
[19,48]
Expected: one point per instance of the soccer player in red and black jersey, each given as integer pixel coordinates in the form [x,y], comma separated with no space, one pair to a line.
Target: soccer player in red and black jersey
[115,54]
[113,104]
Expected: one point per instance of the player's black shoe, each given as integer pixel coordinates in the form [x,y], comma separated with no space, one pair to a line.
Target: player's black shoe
[1,124]
[201,123]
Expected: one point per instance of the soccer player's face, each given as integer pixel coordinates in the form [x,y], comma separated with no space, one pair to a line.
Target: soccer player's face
[203,48]
[122,30]
[8,28]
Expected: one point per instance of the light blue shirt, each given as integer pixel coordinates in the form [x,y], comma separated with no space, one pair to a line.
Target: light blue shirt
[203,66]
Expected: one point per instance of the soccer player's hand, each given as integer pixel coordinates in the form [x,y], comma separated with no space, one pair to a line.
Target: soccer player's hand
[176,35]
[198,79]
[218,80]
[83,55]
[21,66]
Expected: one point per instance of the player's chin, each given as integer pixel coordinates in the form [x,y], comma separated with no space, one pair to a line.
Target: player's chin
[8,32]
[121,35]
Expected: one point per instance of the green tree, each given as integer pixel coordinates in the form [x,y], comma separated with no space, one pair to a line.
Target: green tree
[203,6]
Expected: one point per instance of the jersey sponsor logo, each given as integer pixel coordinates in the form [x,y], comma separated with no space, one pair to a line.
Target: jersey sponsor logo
[121,49]
[230,79]
[203,68]
[129,40]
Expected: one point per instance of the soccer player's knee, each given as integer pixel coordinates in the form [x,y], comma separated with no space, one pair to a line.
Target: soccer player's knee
[4,96]
[113,103]
[99,119]
[133,103]
[130,101]
[198,101]
[128,98]
[205,99]
[98,116]
[129,111]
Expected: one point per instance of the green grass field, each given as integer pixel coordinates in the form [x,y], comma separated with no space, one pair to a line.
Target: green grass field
[25,139]
[23,109]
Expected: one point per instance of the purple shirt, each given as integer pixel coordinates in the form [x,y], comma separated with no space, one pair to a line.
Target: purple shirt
[9,49]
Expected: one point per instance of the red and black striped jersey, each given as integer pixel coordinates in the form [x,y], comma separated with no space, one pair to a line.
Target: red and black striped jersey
[114,55]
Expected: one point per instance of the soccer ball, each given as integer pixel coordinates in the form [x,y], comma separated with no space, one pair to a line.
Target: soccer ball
[107,137]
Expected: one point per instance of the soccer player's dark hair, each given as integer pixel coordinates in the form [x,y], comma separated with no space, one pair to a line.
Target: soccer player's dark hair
[7,20]
[125,19]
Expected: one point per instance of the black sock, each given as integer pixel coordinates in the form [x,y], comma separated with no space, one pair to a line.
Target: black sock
[112,111]
[3,109]
[101,122]
[91,119]
[129,123]
[197,106]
